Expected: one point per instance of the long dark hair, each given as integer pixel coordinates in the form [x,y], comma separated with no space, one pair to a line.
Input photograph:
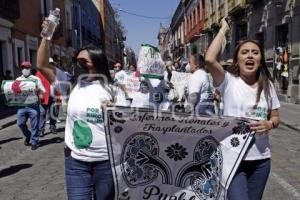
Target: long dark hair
[98,59]
[199,59]
[263,75]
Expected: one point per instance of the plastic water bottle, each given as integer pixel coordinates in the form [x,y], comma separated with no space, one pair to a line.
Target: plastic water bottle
[53,21]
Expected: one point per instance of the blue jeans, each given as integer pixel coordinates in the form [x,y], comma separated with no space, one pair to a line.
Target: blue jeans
[89,179]
[53,110]
[205,109]
[32,112]
[250,180]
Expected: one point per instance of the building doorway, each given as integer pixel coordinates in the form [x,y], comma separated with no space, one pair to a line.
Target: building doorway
[282,32]
[32,57]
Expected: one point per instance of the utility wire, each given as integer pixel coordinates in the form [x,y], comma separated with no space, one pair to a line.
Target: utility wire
[143,16]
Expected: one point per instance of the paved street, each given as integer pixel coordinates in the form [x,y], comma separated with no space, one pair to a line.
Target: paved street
[27,174]
[39,175]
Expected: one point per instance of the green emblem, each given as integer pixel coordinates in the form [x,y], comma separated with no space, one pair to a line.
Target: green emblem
[82,134]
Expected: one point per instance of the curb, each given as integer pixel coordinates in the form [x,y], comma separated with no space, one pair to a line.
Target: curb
[290,126]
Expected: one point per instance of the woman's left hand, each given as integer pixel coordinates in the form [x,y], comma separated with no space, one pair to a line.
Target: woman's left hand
[106,103]
[260,126]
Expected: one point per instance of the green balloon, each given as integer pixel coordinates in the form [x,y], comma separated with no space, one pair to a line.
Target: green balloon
[82,134]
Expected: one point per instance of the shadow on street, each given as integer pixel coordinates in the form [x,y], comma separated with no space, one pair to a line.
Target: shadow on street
[13,169]
[9,140]
[50,141]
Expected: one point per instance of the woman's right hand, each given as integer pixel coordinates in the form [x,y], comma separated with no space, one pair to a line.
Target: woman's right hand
[45,23]
[225,24]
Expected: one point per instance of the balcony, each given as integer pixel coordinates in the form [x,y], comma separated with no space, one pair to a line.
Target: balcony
[10,9]
[235,6]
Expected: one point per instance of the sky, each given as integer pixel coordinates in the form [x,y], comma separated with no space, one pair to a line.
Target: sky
[144,30]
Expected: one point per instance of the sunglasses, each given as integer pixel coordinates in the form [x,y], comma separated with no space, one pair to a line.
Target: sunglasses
[83,63]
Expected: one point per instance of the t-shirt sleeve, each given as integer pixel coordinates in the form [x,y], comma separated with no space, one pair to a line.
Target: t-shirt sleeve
[224,84]
[274,98]
[195,82]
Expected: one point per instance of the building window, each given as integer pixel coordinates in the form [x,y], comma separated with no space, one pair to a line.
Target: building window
[241,32]
[32,57]
[196,15]
[199,13]
[19,55]
[211,6]
[46,5]
[192,20]
[260,37]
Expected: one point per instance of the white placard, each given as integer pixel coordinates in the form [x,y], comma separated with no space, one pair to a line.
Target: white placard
[20,92]
[150,62]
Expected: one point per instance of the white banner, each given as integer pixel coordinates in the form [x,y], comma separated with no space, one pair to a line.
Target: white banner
[173,157]
[19,92]
[150,62]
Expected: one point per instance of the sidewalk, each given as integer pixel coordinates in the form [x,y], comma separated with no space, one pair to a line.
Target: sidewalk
[289,116]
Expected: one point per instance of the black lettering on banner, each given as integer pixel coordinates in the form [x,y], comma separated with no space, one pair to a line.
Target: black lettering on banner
[153,190]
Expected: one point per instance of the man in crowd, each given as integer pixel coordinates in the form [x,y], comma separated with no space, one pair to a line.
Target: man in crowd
[31,111]
[48,104]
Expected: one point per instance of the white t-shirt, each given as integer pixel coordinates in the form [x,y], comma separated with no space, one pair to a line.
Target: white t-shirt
[120,98]
[201,82]
[239,99]
[140,100]
[85,133]
[120,76]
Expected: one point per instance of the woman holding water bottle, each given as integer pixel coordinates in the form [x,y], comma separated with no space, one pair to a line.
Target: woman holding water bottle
[87,167]
[248,92]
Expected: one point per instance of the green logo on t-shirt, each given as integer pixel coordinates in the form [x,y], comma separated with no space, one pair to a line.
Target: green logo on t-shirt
[94,116]
[82,134]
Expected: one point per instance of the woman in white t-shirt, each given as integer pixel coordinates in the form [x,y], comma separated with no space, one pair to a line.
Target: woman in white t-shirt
[200,87]
[247,92]
[88,170]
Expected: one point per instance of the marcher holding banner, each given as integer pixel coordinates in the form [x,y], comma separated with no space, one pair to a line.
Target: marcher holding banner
[247,92]
[88,170]
[200,87]
[31,111]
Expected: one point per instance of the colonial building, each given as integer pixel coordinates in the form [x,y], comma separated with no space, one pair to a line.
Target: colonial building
[9,13]
[177,31]
[274,23]
[113,33]
[194,24]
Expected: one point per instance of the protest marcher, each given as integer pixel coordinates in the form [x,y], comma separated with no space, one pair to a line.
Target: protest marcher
[278,63]
[141,98]
[122,97]
[87,165]
[168,71]
[7,75]
[200,87]
[30,111]
[177,66]
[247,92]
[49,104]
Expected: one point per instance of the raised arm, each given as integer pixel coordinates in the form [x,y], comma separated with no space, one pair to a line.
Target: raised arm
[211,55]
[43,56]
